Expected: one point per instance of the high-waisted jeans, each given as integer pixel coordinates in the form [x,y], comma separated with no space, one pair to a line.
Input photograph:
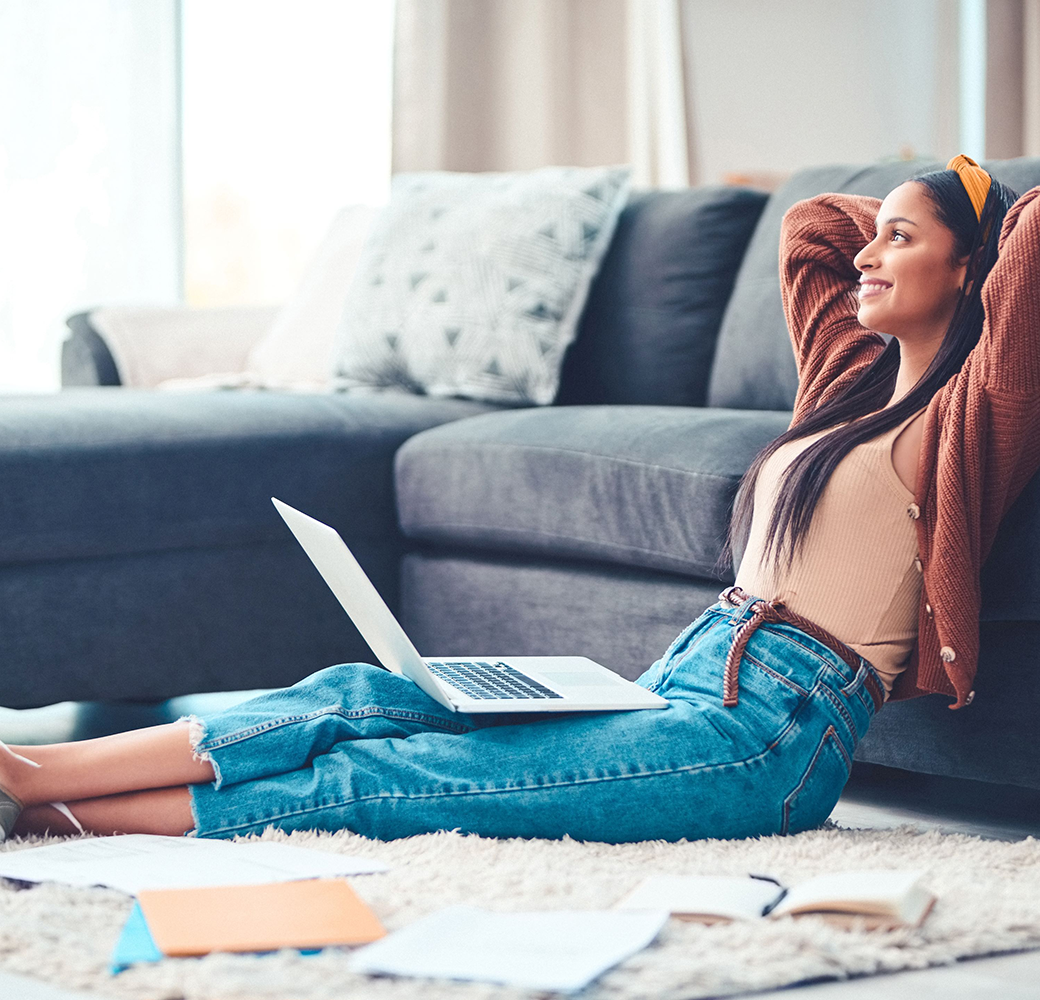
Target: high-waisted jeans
[356,747]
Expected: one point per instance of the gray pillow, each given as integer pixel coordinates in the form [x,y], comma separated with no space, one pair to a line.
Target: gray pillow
[647,335]
[472,284]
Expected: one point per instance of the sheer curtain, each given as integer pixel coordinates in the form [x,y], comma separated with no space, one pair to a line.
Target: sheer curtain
[517,84]
[89,169]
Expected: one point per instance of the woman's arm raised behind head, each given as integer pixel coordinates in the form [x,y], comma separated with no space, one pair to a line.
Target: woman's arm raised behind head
[1008,351]
[819,239]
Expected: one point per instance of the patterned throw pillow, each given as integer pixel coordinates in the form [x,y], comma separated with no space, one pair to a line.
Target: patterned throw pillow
[472,284]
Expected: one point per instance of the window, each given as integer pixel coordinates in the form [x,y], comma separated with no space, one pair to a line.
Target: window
[286,119]
[89,183]
[176,150]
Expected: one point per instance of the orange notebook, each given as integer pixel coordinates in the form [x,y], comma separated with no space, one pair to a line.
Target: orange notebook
[307,914]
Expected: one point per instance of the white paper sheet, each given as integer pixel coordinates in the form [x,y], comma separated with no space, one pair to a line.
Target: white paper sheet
[141,861]
[550,950]
[717,895]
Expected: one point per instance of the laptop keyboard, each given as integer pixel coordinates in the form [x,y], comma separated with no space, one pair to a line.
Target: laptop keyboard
[489,680]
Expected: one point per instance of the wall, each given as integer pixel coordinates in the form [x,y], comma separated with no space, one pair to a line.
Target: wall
[778,86]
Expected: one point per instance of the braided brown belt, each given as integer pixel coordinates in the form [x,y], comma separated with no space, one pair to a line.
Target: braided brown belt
[777,611]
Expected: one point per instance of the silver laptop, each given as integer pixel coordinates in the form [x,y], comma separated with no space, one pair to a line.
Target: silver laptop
[461,683]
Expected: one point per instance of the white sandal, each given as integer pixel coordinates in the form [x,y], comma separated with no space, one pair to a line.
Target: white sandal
[67,813]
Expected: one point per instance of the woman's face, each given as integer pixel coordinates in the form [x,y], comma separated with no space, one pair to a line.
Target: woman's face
[910,279]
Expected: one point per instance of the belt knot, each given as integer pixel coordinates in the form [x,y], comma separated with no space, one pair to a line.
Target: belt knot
[762,611]
[775,611]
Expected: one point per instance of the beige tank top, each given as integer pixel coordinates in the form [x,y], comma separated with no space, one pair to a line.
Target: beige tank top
[859,575]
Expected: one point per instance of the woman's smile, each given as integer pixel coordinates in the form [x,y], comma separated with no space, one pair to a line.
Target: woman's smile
[872,286]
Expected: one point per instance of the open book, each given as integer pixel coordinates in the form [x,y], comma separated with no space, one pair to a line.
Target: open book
[868,899]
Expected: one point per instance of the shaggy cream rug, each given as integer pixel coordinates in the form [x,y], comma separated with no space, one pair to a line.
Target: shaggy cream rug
[989,901]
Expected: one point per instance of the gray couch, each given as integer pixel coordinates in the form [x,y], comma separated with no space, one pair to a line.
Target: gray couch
[140,557]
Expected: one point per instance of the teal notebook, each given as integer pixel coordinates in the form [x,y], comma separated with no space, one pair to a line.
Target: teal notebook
[135,944]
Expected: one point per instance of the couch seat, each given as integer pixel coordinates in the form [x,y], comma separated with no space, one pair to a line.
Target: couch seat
[103,472]
[647,486]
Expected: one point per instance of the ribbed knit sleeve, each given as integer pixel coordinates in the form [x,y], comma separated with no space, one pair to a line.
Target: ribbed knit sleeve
[819,239]
[1009,347]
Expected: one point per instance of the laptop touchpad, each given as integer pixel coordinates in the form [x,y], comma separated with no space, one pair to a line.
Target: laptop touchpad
[577,678]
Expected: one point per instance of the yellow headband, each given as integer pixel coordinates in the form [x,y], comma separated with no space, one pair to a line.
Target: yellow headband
[975,180]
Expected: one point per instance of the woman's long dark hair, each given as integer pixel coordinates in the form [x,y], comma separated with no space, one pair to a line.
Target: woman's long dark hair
[863,401]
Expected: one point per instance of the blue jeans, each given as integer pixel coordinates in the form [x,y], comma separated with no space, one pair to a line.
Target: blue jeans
[356,747]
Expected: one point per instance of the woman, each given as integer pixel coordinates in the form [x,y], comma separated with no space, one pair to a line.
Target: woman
[922,444]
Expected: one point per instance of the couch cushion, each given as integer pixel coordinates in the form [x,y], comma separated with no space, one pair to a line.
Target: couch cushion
[648,331]
[104,471]
[472,284]
[1015,560]
[642,486]
[754,364]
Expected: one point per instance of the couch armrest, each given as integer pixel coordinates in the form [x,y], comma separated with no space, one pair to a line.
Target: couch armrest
[85,357]
[143,347]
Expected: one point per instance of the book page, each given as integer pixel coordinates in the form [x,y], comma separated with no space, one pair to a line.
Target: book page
[880,892]
[866,921]
[728,897]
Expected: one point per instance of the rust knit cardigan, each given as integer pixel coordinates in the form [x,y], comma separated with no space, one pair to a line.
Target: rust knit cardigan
[981,442]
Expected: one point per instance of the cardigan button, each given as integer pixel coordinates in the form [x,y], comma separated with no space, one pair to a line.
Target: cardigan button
[970,698]
[928,608]
[914,511]
[918,565]
[947,654]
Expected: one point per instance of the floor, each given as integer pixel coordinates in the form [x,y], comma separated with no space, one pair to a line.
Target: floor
[875,797]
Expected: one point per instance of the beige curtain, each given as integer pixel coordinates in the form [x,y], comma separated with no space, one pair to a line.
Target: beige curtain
[1031,79]
[517,84]
[1012,78]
